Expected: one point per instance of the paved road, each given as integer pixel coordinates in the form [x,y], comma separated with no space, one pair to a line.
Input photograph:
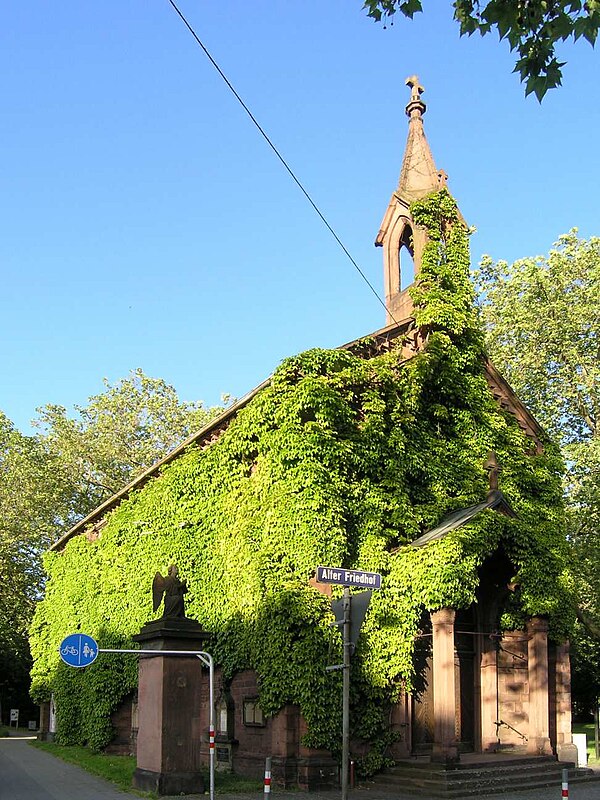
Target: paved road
[27,773]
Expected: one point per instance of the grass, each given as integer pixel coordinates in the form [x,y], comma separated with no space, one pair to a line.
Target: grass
[116,769]
[119,769]
[588,729]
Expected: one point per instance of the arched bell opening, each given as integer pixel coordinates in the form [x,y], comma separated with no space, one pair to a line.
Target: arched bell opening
[406,258]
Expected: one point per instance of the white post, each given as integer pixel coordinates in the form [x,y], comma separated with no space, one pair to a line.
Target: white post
[565,783]
[267,777]
[211,722]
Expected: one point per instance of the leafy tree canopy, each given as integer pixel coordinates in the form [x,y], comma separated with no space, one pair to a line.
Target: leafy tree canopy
[532,27]
[119,434]
[51,479]
[543,330]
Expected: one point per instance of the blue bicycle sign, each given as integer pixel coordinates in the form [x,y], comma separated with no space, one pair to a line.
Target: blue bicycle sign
[78,650]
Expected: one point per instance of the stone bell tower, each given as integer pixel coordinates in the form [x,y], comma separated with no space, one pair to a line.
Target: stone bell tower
[401,240]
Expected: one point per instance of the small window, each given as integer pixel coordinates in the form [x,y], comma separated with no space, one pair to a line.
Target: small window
[253,714]
[222,726]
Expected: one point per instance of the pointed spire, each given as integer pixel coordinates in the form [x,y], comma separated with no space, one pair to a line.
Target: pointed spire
[419,175]
[402,241]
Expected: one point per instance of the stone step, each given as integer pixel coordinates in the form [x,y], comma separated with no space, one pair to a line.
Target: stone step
[505,763]
[478,779]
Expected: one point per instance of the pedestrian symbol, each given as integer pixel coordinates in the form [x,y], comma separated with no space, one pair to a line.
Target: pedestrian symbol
[78,650]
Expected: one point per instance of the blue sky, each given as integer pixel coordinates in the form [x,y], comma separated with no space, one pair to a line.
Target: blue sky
[145,223]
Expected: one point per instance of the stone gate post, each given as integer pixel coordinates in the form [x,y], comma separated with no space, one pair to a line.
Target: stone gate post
[169,707]
[539,715]
[445,748]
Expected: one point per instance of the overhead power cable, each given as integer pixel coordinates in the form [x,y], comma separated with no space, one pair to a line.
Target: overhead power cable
[279,156]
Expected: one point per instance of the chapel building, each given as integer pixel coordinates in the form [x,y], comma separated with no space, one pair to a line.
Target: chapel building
[480,691]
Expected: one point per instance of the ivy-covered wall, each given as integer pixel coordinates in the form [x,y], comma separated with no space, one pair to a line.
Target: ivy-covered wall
[339,461]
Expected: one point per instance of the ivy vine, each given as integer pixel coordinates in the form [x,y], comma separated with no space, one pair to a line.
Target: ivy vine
[340,460]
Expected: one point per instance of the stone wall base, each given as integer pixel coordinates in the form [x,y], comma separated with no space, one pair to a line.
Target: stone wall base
[308,774]
[316,774]
[567,753]
[165,783]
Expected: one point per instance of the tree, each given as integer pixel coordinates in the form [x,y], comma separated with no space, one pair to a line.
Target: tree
[27,492]
[121,432]
[51,479]
[532,27]
[543,331]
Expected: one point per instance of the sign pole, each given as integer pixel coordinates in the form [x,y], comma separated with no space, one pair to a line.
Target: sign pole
[80,650]
[346,694]
[342,610]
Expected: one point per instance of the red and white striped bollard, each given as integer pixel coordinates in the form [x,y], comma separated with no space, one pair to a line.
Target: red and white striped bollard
[267,777]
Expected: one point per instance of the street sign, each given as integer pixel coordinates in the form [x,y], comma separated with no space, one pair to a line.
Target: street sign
[359,603]
[349,577]
[78,650]
[14,715]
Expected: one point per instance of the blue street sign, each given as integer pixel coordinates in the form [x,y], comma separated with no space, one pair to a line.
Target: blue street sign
[349,577]
[78,650]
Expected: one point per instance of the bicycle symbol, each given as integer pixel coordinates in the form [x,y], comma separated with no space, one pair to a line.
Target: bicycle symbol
[78,650]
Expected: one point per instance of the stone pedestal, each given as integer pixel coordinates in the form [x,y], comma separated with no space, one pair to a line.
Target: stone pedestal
[538,742]
[170,729]
[445,747]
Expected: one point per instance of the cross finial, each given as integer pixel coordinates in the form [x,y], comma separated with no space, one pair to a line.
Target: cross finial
[415,87]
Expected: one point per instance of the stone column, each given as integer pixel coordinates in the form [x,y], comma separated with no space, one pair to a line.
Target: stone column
[538,742]
[169,708]
[489,694]
[565,748]
[445,747]
[44,722]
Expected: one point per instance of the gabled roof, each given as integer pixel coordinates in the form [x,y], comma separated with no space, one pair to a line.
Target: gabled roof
[495,501]
[404,335]
[367,347]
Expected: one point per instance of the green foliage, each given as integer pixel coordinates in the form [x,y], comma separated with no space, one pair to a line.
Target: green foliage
[531,27]
[542,319]
[121,432]
[119,769]
[50,480]
[339,460]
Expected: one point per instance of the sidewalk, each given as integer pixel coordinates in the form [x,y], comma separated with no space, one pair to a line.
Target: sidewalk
[27,773]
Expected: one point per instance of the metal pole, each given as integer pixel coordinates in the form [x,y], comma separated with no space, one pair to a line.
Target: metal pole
[211,727]
[597,731]
[207,660]
[346,695]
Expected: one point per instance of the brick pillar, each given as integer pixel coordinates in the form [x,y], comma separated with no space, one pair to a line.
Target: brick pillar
[169,709]
[489,694]
[284,746]
[537,658]
[445,747]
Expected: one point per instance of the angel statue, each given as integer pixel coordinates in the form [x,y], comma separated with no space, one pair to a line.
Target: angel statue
[172,589]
